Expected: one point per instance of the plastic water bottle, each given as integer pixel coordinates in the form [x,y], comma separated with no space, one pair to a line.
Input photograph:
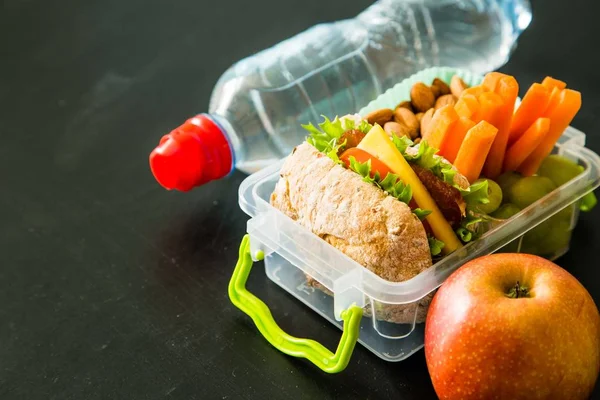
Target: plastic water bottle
[331,69]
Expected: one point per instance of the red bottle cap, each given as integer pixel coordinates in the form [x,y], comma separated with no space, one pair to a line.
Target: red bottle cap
[191,155]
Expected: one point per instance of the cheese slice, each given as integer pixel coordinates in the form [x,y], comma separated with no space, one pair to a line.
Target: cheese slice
[378,144]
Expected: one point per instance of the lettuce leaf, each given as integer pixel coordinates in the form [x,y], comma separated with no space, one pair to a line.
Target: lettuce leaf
[419,212]
[402,143]
[390,184]
[326,137]
[467,231]
[426,157]
[333,152]
[477,194]
[435,245]
[464,234]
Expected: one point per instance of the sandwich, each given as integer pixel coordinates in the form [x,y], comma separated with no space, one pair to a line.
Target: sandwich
[391,205]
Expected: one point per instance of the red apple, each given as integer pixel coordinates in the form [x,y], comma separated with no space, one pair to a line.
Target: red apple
[512,326]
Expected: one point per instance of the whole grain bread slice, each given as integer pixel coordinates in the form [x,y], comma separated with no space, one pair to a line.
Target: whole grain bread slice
[374,229]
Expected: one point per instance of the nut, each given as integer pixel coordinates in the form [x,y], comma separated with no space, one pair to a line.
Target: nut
[426,120]
[380,116]
[397,128]
[447,99]
[457,85]
[417,140]
[405,104]
[440,86]
[419,116]
[422,97]
[407,118]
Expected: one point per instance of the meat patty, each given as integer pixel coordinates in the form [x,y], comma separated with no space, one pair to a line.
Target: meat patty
[352,137]
[447,197]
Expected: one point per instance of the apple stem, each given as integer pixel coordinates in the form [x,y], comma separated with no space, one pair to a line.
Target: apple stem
[518,291]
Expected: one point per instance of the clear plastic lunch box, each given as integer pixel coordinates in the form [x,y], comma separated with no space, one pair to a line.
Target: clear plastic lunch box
[357,300]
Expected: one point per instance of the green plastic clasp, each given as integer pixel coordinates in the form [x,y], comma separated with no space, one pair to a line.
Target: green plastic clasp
[290,345]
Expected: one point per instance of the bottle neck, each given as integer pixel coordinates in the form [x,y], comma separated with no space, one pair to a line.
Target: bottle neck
[237,151]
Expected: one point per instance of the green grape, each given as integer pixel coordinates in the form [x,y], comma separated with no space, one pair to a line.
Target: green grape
[505,211]
[551,236]
[506,180]
[528,190]
[559,169]
[494,195]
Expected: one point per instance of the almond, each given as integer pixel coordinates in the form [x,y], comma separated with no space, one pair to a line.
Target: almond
[421,97]
[380,116]
[408,118]
[397,128]
[419,116]
[436,91]
[417,140]
[457,85]
[405,104]
[445,100]
[441,85]
[426,120]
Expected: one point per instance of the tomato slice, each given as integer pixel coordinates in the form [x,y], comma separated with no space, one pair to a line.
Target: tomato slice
[362,156]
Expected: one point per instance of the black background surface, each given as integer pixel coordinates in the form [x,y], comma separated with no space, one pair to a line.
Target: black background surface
[111,287]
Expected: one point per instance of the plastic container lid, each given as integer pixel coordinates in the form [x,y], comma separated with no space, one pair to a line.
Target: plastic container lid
[191,155]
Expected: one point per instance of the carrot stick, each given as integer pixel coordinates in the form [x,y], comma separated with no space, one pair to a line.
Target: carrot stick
[455,138]
[474,150]
[551,83]
[440,124]
[467,106]
[474,90]
[526,144]
[490,106]
[560,117]
[531,108]
[508,89]
[490,81]
[554,99]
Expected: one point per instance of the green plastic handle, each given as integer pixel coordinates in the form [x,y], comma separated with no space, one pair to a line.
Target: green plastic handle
[290,345]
